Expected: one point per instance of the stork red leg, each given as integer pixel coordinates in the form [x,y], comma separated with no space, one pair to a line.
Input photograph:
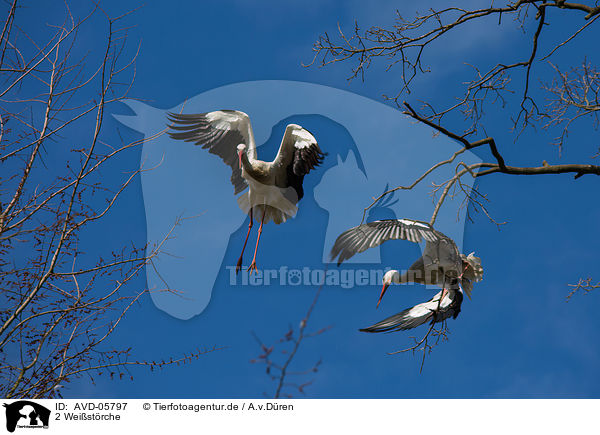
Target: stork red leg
[252,266]
[239,263]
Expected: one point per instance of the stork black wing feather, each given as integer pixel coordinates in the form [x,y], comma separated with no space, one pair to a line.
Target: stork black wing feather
[305,159]
[372,234]
[415,316]
[398,322]
[198,129]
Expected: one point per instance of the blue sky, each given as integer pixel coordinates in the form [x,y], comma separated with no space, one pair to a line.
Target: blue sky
[516,338]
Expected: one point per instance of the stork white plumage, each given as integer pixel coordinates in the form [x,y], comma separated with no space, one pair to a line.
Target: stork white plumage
[274,188]
[441,264]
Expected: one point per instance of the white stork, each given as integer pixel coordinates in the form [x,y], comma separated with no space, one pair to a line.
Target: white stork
[274,188]
[441,264]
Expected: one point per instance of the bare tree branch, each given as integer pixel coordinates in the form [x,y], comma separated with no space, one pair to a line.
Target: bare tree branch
[571,97]
[406,42]
[280,372]
[59,304]
[584,285]
[437,333]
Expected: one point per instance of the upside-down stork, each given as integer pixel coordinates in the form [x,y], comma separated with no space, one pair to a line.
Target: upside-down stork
[441,264]
[274,188]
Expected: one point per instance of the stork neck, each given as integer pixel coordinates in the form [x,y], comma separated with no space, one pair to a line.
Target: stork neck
[245,160]
[249,166]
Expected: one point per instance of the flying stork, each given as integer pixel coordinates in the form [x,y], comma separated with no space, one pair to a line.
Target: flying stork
[274,188]
[441,264]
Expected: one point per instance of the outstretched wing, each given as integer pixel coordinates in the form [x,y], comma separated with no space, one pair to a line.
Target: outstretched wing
[220,132]
[298,154]
[421,313]
[372,234]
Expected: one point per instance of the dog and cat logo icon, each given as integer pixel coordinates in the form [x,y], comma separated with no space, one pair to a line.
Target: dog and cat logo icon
[26,414]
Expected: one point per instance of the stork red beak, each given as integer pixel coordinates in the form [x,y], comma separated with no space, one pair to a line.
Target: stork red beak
[385,286]
[240,157]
